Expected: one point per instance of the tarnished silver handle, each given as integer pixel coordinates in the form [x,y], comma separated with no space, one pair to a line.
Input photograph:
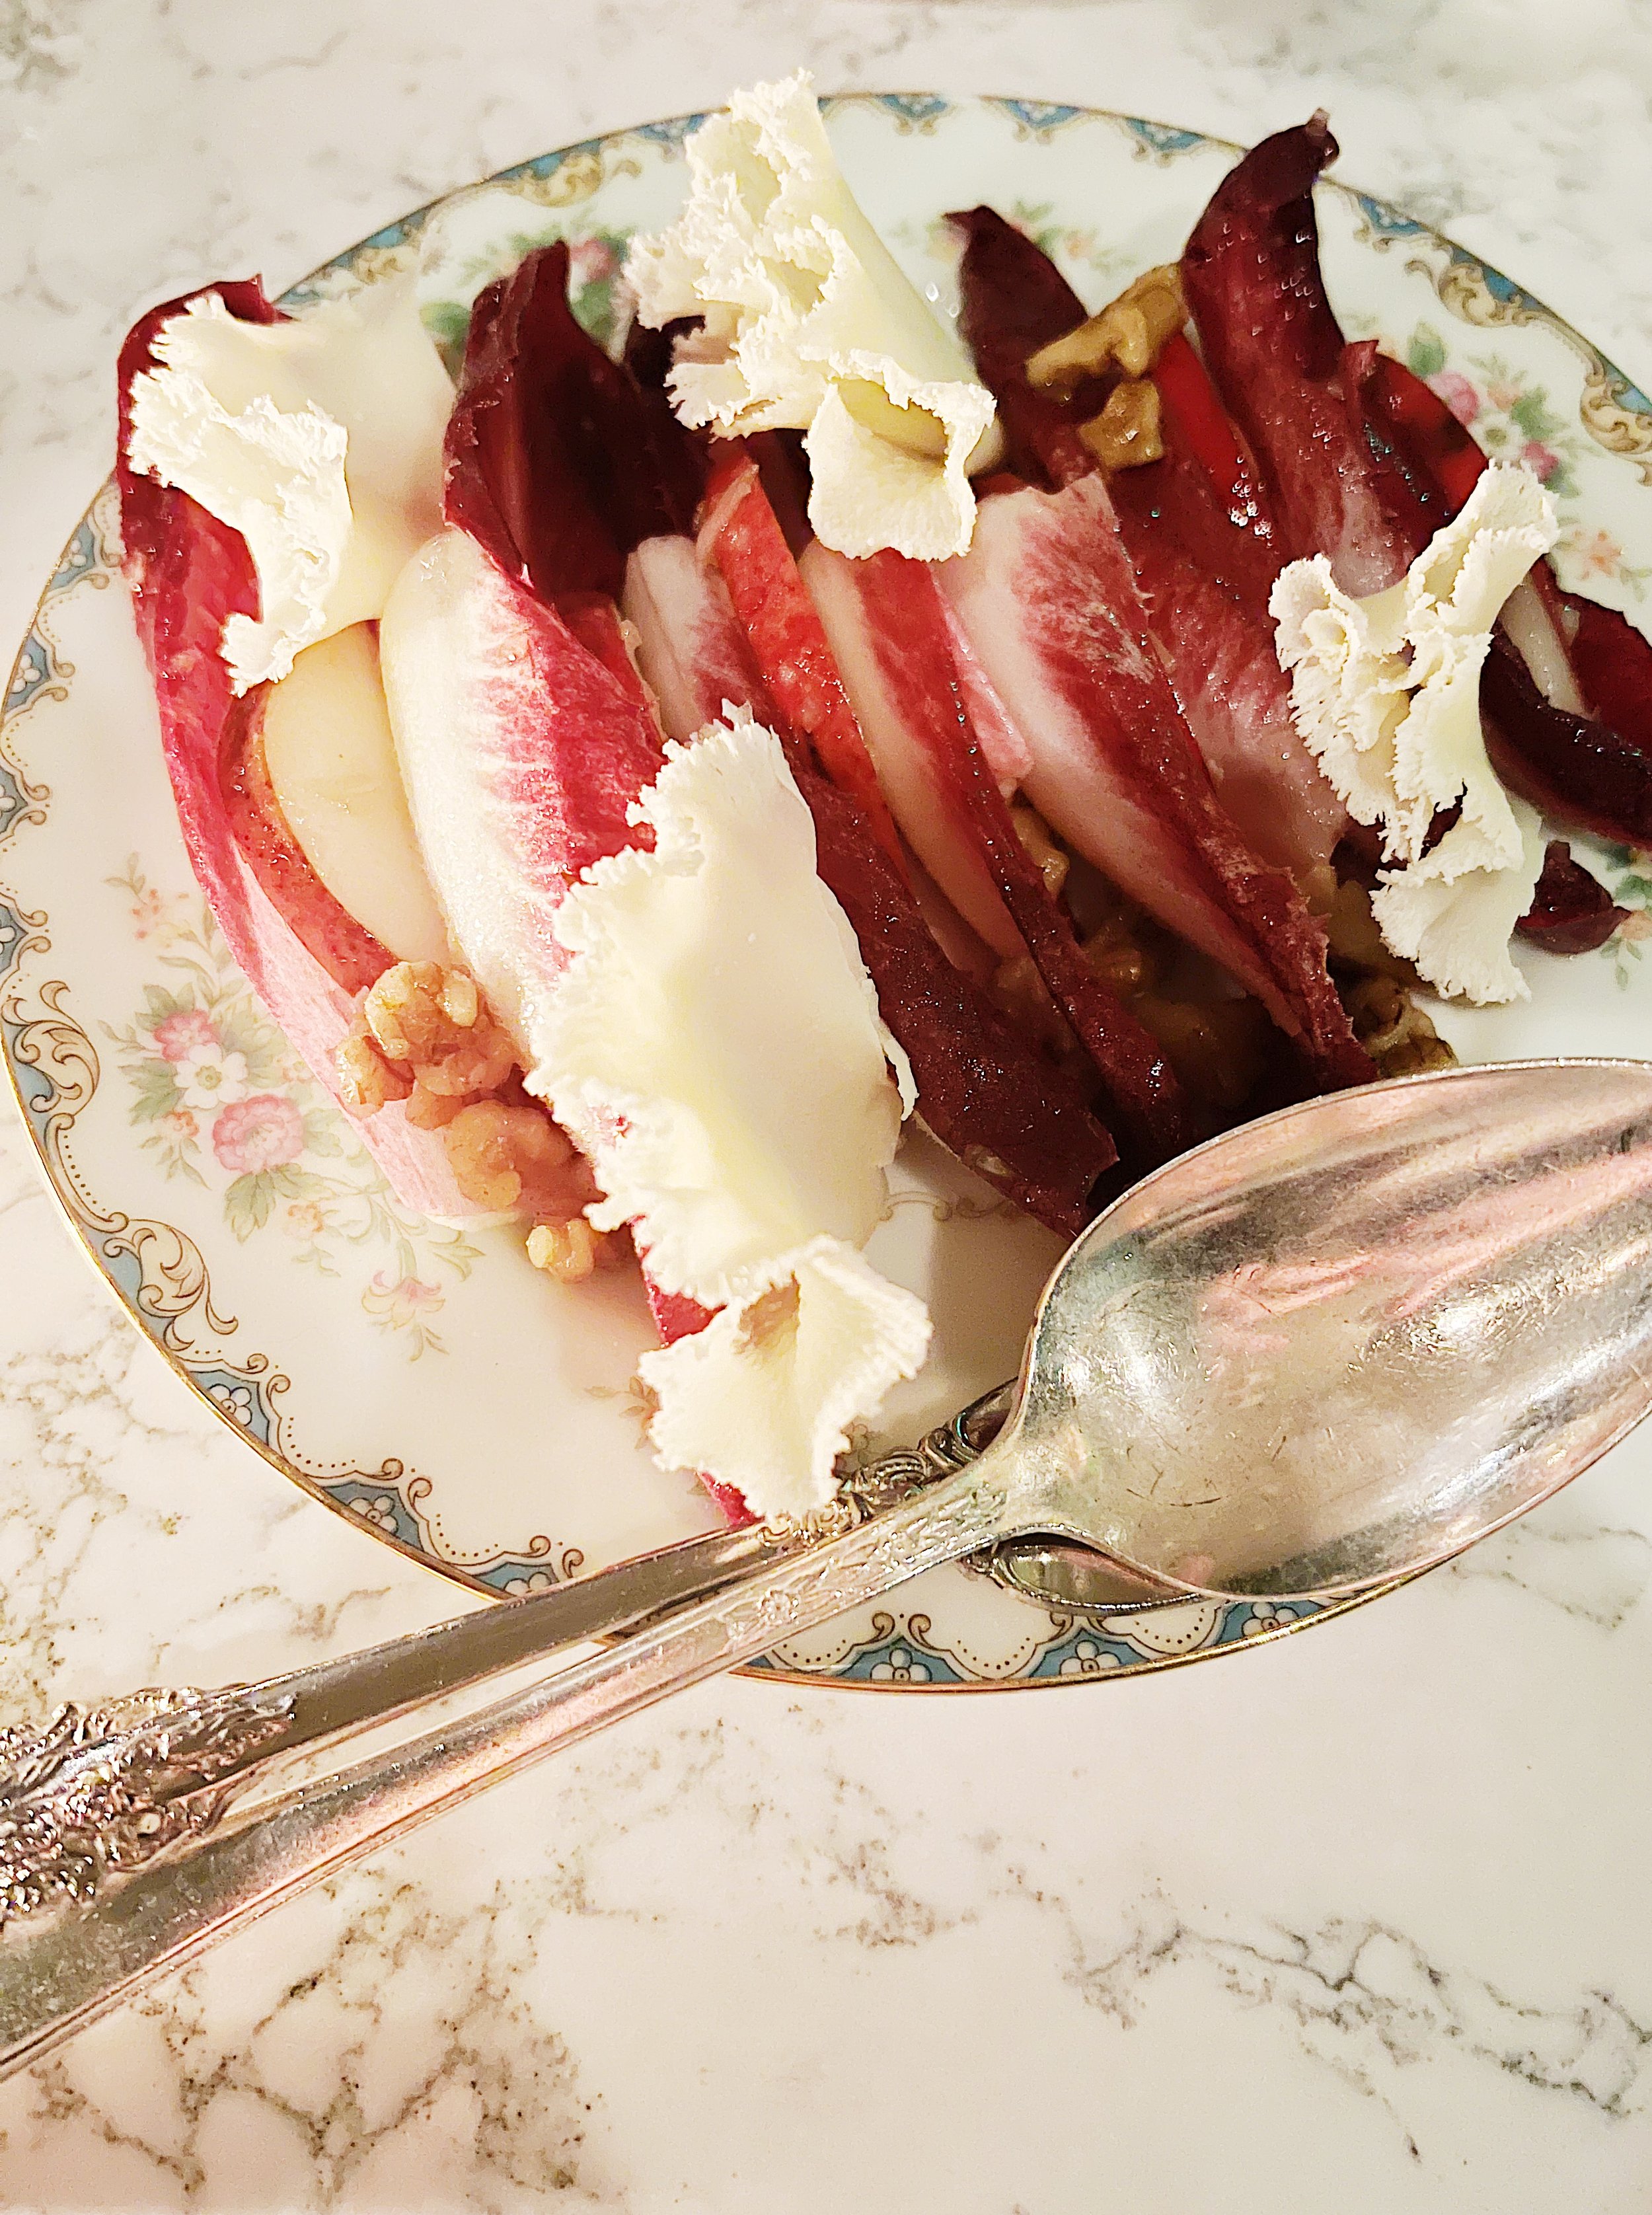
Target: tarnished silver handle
[126,1910]
[97,1791]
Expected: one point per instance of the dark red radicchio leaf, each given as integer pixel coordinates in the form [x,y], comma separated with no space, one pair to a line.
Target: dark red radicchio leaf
[557,463]
[1012,300]
[1401,413]
[1014,1118]
[1571,912]
[1592,771]
[1251,271]
[301,954]
[1574,768]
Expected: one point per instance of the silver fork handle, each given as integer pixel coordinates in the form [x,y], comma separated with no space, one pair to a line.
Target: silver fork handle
[62,1971]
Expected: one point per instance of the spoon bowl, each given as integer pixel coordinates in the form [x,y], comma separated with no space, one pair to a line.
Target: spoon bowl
[1343,1343]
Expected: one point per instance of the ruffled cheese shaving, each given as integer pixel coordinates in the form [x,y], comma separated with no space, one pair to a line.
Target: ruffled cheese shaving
[810,325]
[1387,694]
[319,440]
[715,1046]
[1455,924]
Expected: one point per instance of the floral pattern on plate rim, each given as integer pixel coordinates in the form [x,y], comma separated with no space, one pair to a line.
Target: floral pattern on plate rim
[226,1103]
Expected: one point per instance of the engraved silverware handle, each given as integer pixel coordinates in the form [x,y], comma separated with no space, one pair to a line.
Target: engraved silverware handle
[60,1971]
[101,1790]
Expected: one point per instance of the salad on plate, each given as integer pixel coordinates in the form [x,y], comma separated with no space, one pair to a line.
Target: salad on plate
[641,783]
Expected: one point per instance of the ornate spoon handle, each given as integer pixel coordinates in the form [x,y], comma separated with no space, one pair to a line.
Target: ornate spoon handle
[102,1789]
[60,1971]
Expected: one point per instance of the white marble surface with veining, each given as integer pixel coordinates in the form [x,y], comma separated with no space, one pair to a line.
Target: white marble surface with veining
[1327,1926]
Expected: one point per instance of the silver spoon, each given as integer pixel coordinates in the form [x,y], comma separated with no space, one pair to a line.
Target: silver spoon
[1321,1353]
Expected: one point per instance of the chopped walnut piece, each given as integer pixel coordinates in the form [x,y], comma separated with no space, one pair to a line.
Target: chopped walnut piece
[1396,1033]
[424,1036]
[568,1251]
[1355,941]
[481,1160]
[509,1154]
[1130,332]
[432,1017]
[405,1013]
[1033,833]
[477,1062]
[1127,432]
[431,1111]
[1118,958]
[366,1081]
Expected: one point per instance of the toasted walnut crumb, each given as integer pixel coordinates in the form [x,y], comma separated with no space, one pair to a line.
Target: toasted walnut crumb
[1127,432]
[1118,958]
[432,1017]
[1355,941]
[569,1251]
[1396,1033]
[366,1081]
[1033,833]
[508,1154]
[1130,332]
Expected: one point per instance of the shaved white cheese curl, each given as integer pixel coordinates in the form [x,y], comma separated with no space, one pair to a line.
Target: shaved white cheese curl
[762,1398]
[1454,922]
[318,438]
[1387,694]
[810,325]
[715,1045]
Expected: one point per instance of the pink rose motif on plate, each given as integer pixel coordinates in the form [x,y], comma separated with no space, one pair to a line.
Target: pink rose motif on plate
[591,261]
[180,1037]
[1459,395]
[262,1132]
[1541,460]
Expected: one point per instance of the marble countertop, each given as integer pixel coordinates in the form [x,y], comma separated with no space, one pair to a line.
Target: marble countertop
[1316,1928]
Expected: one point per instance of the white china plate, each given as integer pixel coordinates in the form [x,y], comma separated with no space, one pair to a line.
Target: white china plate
[431,1384]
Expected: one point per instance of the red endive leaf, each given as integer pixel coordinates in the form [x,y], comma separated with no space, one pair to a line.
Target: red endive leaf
[557,463]
[188,573]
